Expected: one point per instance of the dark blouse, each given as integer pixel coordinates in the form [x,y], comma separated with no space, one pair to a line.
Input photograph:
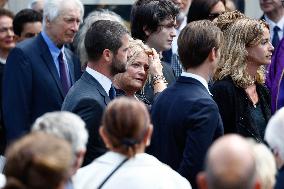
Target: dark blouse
[235,109]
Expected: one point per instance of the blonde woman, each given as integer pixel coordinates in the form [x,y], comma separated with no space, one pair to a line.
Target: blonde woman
[142,64]
[239,91]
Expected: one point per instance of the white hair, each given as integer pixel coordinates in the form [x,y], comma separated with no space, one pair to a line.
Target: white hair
[101,14]
[274,132]
[53,8]
[32,2]
[265,165]
[64,125]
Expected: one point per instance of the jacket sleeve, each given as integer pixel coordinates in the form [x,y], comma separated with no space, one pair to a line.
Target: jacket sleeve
[17,93]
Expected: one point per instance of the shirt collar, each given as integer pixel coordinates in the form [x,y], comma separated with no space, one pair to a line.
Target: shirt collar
[272,24]
[54,50]
[102,79]
[197,77]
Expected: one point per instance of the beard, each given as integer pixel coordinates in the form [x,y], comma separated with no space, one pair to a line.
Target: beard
[117,66]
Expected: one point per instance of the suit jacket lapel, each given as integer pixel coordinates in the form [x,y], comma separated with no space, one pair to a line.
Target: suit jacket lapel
[90,79]
[48,60]
[70,66]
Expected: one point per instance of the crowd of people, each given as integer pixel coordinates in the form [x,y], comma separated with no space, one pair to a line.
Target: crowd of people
[190,96]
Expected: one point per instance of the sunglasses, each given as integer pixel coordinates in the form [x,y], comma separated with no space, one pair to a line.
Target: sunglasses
[212,16]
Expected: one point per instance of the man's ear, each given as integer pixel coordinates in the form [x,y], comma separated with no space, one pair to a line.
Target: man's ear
[213,54]
[108,55]
[147,31]
[201,181]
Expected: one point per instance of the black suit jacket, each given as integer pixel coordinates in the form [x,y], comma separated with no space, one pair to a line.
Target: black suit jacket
[88,99]
[186,121]
[32,85]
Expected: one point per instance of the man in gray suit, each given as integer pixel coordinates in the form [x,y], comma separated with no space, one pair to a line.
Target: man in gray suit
[106,44]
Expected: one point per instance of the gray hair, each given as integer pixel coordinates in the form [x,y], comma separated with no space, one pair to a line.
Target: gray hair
[274,132]
[53,8]
[101,14]
[64,125]
[32,3]
[265,164]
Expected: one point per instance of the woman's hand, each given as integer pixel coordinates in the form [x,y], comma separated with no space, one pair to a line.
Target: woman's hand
[156,68]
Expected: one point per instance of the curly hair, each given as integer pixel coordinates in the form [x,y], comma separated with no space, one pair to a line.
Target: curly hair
[240,34]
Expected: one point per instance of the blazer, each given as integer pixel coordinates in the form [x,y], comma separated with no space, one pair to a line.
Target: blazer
[88,99]
[186,121]
[32,85]
[234,103]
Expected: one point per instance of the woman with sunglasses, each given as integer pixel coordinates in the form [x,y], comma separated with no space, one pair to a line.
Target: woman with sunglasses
[205,9]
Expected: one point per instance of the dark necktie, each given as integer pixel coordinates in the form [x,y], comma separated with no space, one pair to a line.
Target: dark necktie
[275,39]
[112,92]
[63,74]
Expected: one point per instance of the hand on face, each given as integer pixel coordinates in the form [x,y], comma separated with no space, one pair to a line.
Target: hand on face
[156,68]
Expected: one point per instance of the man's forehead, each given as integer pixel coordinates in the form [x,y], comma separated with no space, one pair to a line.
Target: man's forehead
[169,20]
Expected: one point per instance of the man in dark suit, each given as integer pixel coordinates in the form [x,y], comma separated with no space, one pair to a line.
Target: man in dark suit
[274,16]
[156,31]
[40,71]
[185,117]
[106,44]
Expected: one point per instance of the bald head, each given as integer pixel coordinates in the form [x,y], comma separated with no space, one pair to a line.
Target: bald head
[230,164]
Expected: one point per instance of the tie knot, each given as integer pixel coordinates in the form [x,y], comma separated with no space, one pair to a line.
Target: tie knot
[112,92]
[60,56]
[276,29]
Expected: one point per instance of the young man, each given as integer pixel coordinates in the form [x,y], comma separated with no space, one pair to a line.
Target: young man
[106,44]
[26,24]
[184,132]
[157,32]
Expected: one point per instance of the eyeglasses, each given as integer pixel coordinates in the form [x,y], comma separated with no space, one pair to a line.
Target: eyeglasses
[212,16]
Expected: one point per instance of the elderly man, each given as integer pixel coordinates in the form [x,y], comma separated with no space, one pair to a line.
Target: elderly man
[275,139]
[40,71]
[68,126]
[230,164]
[106,44]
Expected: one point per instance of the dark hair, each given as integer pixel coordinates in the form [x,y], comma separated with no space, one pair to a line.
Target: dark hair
[149,14]
[23,17]
[6,12]
[38,160]
[201,9]
[103,34]
[196,41]
[126,121]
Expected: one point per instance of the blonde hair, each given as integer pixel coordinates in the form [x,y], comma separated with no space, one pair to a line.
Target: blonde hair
[136,47]
[239,35]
